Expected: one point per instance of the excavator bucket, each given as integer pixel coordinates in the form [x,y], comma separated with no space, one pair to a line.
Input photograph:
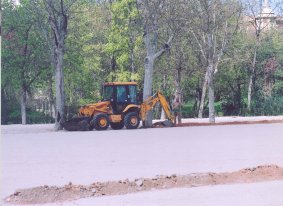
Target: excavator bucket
[77,124]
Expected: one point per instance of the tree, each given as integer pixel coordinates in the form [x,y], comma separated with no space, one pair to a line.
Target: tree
[124,36]
[212,25]
[88,63]
[52,18]
[23,59]
[58,19]
[151,14]
[261,18]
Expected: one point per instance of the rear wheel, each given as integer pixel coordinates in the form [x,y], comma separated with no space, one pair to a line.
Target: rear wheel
[100,122]
[117,125]
[132,120]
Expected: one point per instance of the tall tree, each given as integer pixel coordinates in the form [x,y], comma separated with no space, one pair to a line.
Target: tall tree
[55,32]
[58,19]
[213,22]
[151,12]
[124,36]
[262,20]
[23,57]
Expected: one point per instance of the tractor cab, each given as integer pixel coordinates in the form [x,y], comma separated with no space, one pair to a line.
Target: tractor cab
[120,94]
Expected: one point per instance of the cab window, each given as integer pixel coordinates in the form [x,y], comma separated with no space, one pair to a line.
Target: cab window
[107,93]
[121,94]
[133,94]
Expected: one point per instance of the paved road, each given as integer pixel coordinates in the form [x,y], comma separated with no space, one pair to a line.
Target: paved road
[35,155]
[256,194]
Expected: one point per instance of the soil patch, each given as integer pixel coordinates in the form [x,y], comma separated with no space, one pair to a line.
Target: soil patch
[49,194]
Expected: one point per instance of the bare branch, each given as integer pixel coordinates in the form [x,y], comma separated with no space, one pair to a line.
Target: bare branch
[199,44]
[165,48]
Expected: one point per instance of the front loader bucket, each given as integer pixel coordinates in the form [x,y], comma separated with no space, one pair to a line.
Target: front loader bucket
[77,124]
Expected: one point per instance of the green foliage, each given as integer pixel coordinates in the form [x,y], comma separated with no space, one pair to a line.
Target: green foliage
[278,86]
[189,111]
[267,106]
[123,38]
[85,67]
[230,107]
[24,55]
[123,76]
[33,117]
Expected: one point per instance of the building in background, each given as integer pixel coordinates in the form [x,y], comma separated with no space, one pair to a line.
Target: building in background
[267,19]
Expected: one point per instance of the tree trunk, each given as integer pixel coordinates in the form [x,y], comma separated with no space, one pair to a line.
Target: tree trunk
[52,110]
[210,76]
[132,65]
[4,105]
[58,20]
[239,97]
[150,39]
[113,68]
[250,91]
[164,87]
[211,93]
[24,106]
[252,73]
[132,58]
[203,94]
[178,96]
[60,91]
[147,89]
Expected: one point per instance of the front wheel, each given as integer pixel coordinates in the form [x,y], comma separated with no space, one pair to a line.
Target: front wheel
[100,122]
[132,120]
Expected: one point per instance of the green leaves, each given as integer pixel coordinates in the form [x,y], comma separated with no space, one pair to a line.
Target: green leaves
[123,76]
[122,38]
[23,49]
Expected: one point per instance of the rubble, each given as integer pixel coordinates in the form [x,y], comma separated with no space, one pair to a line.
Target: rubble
[139,182]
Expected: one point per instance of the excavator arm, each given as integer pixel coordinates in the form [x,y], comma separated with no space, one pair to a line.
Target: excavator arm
[150,102]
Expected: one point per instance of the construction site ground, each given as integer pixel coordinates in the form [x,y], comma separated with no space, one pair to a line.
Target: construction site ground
[239,161]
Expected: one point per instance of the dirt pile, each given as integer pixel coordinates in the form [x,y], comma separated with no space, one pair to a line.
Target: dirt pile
[49,194]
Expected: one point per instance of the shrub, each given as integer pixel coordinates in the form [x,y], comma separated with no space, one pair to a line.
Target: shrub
[267,106]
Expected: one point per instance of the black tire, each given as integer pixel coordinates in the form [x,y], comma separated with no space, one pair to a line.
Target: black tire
[132,120]
[100,122]
[84,126]
[117,125]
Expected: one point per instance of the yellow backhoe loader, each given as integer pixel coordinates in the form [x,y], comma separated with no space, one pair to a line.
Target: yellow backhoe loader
[118,108]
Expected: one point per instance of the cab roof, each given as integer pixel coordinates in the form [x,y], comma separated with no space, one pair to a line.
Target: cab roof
[119,83]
